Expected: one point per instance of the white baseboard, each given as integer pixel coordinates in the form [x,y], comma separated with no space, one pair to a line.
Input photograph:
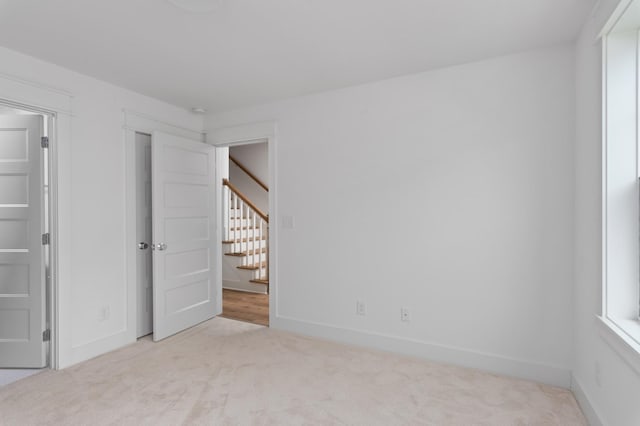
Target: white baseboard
[244,286]
[88,350]
[584,402]
[552,375]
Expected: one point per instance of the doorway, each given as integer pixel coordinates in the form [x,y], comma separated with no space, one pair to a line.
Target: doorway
[210,230]
[25,242]
[245,227]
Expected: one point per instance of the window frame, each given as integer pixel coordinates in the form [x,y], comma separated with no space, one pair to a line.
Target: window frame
[620,316]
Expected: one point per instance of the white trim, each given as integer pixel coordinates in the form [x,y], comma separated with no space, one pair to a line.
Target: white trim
[242,133]
[61,179]
[100,346]
[220,166]
[59,103]
[603,178]
[585,403]
[144,123]
[619,339]
[130,215]
[37,85]
[246,286]
[613,20]
[497,364]
[618,327]
[237,135]
[35,95]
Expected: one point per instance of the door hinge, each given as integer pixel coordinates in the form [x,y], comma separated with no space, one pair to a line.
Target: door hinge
[44,141]
[45,239]
[46,335]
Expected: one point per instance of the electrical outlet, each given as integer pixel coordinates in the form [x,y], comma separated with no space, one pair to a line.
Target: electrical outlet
[361,308]
[405,315]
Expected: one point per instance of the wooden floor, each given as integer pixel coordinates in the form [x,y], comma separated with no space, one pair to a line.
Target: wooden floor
[247,307]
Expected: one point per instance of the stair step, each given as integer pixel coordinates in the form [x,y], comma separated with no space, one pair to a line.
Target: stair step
[244,253]
[236,254]
[254,267]
[243,227]
[244,240]
[259,281]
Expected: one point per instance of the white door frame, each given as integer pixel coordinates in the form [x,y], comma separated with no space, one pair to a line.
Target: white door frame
[135,122]
[239,135]
[51,290]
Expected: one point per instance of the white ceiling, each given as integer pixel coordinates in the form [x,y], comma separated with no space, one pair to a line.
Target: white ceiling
[253,51]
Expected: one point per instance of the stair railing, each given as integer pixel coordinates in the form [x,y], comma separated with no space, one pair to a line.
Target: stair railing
[248,172]
[247,229]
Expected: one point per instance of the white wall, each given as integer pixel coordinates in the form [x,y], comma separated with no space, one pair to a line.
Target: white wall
[448,192]
[607,387]
[255,158]
[92,185]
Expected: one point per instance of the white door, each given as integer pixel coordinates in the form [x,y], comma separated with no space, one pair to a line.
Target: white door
[183,233]
[144,262]
[22,290]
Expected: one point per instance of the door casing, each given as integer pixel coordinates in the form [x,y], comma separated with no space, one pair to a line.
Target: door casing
[263,131]
[48,214]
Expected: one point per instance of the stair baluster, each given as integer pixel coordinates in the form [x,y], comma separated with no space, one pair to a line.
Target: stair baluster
[247,224]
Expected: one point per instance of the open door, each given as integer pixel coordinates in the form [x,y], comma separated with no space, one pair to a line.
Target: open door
[22,284]
[183,181]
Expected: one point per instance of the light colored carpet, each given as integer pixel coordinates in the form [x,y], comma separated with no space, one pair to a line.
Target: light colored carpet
[13,375]
[227,372]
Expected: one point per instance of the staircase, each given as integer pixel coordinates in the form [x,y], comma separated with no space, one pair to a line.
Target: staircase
[246,235]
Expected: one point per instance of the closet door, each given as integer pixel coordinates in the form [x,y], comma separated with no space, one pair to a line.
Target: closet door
[183,174]
[22,284]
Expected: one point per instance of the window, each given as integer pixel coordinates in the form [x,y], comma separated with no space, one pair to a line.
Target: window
[621,183]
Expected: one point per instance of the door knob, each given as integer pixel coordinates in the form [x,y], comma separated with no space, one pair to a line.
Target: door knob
[159,246]
[143,246]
